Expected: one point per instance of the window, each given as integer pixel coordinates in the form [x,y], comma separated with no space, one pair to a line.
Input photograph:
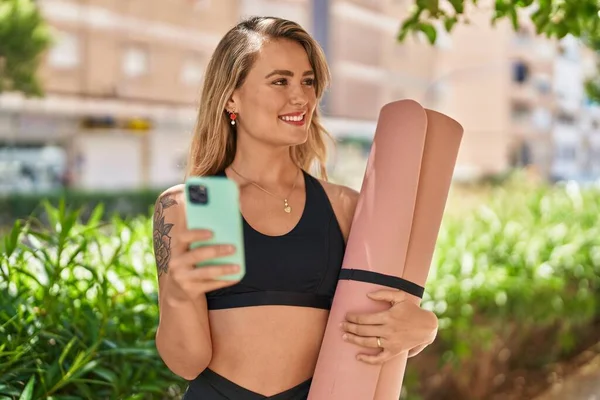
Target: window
[520,111]
[565,118]
[566,153]
[65,54]
[543,84]
[542,118]
[520,72]
[135,61]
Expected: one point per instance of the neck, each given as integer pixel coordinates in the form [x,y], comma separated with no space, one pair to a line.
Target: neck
[263,163]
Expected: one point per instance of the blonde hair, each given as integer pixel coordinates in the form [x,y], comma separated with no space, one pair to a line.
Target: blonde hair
[213,144]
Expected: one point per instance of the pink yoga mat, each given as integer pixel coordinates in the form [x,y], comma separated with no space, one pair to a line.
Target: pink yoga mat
[391,243]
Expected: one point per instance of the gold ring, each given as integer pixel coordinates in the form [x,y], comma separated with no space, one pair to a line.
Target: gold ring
[379,342]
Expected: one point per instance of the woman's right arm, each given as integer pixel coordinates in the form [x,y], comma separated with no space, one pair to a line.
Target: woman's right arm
[183,336]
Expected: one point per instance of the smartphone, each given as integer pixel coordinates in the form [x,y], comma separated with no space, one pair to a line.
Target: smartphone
[213,203]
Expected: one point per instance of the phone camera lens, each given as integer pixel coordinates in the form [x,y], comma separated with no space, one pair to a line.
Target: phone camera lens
[198,194]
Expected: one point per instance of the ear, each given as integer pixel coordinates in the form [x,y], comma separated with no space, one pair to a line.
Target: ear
[233,104]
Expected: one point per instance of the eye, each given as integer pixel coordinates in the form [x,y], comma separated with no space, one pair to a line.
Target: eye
[280,82]
[309,82]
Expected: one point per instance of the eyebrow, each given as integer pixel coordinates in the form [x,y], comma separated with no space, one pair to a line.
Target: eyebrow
[286,72]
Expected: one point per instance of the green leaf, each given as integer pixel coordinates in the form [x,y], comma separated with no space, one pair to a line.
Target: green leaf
[28,392]
[96,215]
[514,18]
[12,240]
[458,6]
[65,352]
[449,23]
[151,388]
[106,374]
[28,274]
[429,30]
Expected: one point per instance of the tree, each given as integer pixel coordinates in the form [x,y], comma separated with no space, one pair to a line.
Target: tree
[24,36]
[592,86]
[552,18]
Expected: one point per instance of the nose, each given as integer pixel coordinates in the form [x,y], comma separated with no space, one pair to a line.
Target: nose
[297,96]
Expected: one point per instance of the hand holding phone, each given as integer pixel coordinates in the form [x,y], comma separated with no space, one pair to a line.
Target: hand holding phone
[189,282]
[212,204]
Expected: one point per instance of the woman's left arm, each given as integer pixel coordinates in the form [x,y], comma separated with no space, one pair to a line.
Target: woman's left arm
[405,326]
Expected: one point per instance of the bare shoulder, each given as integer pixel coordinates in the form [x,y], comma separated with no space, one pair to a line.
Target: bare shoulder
[170,204]
[168,218]
[343,200]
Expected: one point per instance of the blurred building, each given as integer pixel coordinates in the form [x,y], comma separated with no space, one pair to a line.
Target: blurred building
[520,98]
[576,131]
[123,80]
[121,85]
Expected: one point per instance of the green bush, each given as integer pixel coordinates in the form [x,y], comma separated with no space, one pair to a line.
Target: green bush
[515,283]
[78,311]
[124,203]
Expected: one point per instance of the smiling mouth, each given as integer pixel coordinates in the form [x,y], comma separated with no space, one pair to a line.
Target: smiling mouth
[294,118]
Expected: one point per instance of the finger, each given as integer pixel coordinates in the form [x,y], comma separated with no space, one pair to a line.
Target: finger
[368,319]
[210,273]
[202,253]
[209,286]
[187,237]
[390,296]
[370,341]
[375,359]
[364,330]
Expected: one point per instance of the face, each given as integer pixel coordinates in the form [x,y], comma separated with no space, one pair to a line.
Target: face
[276,102]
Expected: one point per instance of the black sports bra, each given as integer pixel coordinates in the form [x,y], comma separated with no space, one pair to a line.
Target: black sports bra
[300,268]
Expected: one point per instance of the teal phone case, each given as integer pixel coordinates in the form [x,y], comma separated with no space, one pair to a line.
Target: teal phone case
[219,212]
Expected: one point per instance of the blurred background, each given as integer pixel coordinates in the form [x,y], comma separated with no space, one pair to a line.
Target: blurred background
[121,83]
[98,101]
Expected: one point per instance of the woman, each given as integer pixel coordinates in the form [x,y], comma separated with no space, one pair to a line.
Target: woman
[259,338]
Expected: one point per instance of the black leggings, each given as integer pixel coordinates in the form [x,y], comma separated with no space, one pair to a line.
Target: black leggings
[211,386]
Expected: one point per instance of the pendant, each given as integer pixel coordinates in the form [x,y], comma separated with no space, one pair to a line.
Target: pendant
[286,206]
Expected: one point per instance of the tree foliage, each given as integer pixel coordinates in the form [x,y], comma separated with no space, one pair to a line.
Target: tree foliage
[551,18]
[24,36]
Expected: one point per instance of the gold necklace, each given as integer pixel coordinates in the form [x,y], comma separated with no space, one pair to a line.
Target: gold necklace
[286,206]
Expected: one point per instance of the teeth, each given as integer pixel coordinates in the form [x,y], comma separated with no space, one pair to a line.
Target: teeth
[295,119]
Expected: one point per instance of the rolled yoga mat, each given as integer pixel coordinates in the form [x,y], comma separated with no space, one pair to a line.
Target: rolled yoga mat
[391,242]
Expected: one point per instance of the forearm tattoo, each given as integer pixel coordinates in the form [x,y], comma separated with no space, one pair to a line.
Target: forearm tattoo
[161,238]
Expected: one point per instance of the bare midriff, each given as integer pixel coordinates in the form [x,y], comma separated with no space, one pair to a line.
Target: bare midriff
[266,349]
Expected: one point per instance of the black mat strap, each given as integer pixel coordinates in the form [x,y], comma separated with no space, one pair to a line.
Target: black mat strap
[383,280]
